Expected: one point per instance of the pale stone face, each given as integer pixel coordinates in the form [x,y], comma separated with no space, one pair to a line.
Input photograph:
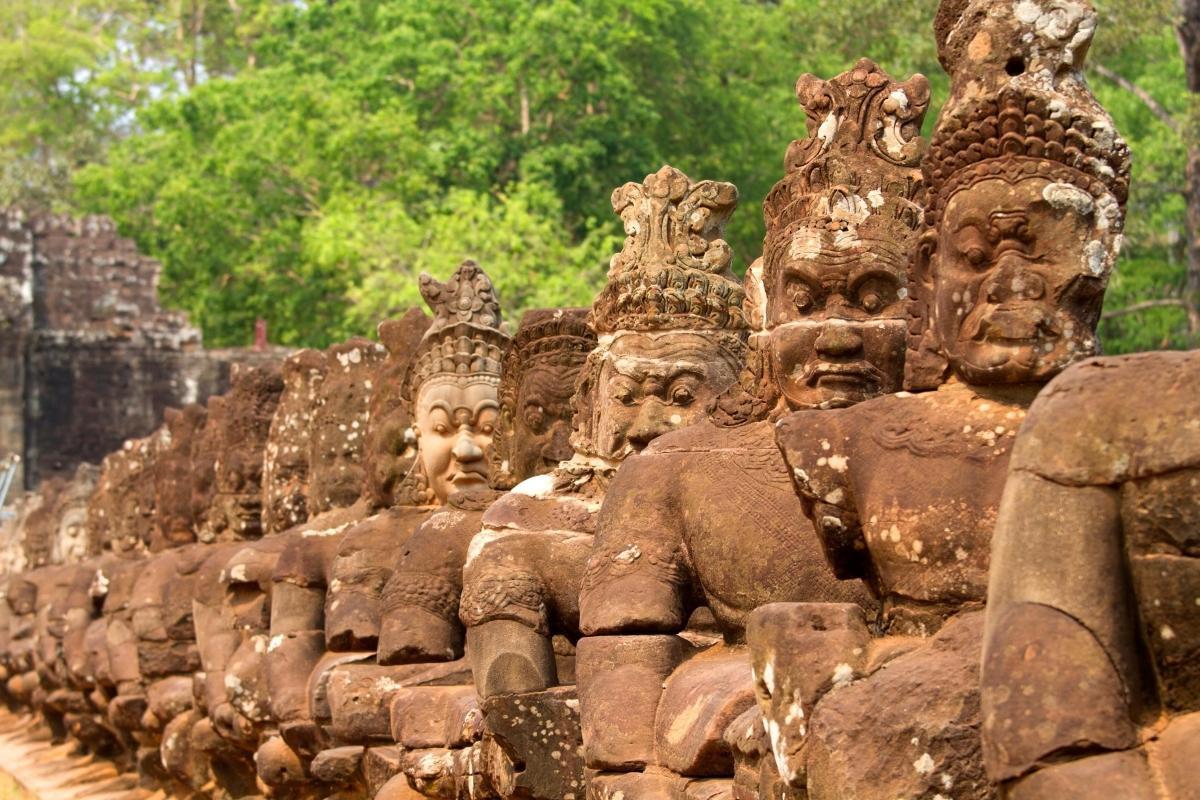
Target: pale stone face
[652,384]
[455,421]
[1018,279]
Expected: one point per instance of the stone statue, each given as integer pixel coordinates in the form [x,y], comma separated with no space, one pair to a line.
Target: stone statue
[1027,181]
[439,725]
[231,577]
[429,435]
[829,316]
[451,389]
[671,340]
[1091,655]
[531,432]
[286,457]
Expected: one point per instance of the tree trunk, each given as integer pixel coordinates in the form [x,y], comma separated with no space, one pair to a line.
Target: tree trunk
[1189,45]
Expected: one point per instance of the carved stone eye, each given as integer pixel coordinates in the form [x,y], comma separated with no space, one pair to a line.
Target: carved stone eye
[801,297]
[682,396]
[872,302]
[976,256]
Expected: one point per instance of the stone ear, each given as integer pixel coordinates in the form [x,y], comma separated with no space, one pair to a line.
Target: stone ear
[925,365]
[583,404]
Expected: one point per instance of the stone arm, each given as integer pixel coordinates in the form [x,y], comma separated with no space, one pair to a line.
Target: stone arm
[216,612]
[420,601]
[821,477]
[297,639]
[637,594]
[1062,662]
[637,579]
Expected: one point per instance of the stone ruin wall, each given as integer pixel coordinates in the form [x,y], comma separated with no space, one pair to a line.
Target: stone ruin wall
[88,358]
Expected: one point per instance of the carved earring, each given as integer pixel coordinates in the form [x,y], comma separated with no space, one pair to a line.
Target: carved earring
[926,363]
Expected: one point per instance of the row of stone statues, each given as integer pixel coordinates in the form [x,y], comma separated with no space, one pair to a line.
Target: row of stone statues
[871,523]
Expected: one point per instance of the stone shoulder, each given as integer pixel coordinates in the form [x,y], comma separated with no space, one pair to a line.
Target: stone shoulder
[1113,419]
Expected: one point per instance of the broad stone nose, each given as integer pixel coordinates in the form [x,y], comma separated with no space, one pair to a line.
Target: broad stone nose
[1014,280]
[838,340]
[466,450]
[651,422]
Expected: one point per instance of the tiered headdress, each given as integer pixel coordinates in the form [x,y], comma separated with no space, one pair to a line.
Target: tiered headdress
[673,270]
[1019,107]
[465,337]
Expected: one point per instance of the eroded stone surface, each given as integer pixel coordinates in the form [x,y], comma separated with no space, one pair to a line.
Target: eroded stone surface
[755,570]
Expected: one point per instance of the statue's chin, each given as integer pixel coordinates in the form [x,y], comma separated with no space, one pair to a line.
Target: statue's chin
[1024,363]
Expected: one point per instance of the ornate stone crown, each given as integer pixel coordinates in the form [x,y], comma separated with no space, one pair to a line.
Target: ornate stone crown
[465,337]
[1019,105]
[674,268]
[854,182]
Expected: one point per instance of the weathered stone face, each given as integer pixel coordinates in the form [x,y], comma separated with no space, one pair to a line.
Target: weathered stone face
[543,419]
[391,445]
[243,425]
[827,358]
[121,515]
[204,460]
[175,522]
[285,459]
[339,425]
[1017,280]
[537,383]
[650,384]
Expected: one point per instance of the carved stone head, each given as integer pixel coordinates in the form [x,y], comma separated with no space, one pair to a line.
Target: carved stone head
[242,435]
[175,523]
[339,424]
[1027,185]
[391,447]
[670,322]
[841,226]
[537,382]
[286,457]
[451,387]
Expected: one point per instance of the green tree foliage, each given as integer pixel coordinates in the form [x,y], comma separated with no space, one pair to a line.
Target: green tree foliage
[1137,73]
[303,162]
[73,72]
